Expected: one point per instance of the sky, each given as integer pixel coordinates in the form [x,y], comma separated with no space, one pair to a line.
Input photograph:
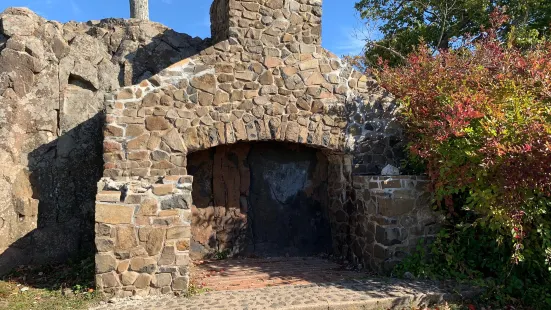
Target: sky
[342,31]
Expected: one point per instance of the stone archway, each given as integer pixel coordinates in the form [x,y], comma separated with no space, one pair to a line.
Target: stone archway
[269,82]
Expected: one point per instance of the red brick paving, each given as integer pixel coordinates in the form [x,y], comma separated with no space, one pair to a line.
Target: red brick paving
[238,274]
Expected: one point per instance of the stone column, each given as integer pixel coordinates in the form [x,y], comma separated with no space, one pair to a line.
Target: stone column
[274,22]
[338,181]
[139,9]
[143,205]
[390,216]
[142,237]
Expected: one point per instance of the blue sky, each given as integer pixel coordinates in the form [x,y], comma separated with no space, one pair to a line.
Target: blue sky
[342,27]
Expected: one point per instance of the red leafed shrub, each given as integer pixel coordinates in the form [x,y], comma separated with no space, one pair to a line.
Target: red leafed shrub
[479,118]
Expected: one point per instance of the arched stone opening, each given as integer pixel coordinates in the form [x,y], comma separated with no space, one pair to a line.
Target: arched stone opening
[260,199]
[267,84]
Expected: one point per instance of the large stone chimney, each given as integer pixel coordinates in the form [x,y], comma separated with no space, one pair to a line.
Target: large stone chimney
[273,22]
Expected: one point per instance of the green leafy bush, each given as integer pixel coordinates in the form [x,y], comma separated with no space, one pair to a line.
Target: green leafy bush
[479,118]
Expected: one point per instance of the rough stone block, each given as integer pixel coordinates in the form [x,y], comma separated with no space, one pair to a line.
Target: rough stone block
[134,198]
[108,196]
[105,263]
[104,244]
[126,237]
[163,189]
[394,207]
[179,232]
[162,280]
[123,266]
[205,82]
[143,281]
[179,201]
[143,265]
[110,279]
[149,206]
[174,140]
[129,277]
[114,213]
[182,259]
[180,283]
[138,143]
[155,241]
[168,256]
[170,212]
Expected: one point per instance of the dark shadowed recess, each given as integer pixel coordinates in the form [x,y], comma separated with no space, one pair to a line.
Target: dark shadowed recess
[259,199]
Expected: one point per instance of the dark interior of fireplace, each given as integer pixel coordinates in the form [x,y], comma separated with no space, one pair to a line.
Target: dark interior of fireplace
[263,199]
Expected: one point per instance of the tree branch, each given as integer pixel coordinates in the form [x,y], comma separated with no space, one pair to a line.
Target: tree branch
[389,49]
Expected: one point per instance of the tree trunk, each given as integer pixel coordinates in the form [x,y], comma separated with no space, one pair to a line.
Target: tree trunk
[444,43]
[139,9]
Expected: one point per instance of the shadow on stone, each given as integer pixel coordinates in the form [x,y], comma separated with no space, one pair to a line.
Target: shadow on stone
[63,180]
[48,217]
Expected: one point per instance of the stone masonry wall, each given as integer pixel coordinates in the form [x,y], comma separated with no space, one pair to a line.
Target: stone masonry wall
[270,23]
[53,78]
[389,217]
[276,85]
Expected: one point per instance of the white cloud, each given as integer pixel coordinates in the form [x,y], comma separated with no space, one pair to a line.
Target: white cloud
[352,42]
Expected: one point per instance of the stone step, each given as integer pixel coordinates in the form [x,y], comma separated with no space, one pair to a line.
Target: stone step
[373,294]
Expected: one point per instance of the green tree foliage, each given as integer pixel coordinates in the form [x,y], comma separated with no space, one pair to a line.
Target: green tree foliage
[407,23]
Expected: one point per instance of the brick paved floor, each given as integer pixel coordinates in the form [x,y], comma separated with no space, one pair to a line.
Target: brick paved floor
[238,274]
[292,283]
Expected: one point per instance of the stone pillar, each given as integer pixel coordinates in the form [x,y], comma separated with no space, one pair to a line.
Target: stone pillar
[338,180]
[139,9]
[389,217]
[274,22]
[142,237]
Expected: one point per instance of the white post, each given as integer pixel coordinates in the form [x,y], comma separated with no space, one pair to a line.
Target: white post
[139,9]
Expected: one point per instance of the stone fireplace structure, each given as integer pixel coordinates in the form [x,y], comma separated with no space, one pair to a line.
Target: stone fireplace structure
[264,104]
[261,199]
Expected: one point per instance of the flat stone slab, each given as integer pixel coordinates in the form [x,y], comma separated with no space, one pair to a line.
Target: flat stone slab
[344,295]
